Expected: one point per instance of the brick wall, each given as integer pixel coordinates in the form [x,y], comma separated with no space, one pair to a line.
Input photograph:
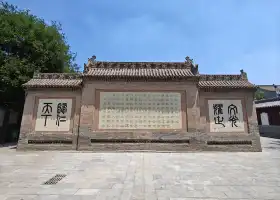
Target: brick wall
[251,131]
[88,129]
[27,131]
[86,136]
[195,131]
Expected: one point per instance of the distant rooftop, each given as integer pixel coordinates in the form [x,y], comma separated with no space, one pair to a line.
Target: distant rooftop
[268,87]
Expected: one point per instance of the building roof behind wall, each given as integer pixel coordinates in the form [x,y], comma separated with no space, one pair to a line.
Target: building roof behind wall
[268,87]
[265,103]
[268,104]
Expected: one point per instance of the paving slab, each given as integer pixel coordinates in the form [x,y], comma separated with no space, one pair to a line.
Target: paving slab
[142,175]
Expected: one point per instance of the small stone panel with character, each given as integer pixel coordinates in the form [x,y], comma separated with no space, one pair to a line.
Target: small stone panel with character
[226,116]
[53,115]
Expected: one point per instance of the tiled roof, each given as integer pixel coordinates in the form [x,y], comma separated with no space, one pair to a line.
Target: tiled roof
[224,81]
[220,77]
[268,87]
[268,104]
[139,70]
[268,100]
[135,73]
[54,80]
[166,71]
[141,65]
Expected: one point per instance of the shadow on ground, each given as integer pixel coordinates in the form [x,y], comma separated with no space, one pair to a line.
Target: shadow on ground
[9,145]
[271,135]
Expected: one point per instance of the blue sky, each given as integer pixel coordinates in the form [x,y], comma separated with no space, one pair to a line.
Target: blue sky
[222,36]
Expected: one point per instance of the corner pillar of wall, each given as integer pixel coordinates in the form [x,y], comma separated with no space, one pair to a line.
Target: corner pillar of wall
[86,118]
[193,112]
[253,127]
[26,121]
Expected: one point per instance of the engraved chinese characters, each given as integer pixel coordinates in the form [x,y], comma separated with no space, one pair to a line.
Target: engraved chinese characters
[226,116]
[53,115]
[140,110]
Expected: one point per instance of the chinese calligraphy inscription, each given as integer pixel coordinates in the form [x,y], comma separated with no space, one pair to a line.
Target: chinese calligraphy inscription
[218,111]
[140,110]
[61,113]
[226,116]
[232,112]
[46,111]
[53,115]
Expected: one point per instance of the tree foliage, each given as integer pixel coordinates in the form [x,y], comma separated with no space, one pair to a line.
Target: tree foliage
[28,44]
[259,95]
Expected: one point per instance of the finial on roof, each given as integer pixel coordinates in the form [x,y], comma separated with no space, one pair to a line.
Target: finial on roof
[91,60]
[243,75]
[36,73]
[188,60]
[194,67]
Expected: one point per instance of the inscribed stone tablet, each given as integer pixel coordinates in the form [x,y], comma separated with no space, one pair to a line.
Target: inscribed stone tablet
[226,116]
[140,110]
[53,115]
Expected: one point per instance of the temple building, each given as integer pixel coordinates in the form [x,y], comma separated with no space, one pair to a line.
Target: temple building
[131,106]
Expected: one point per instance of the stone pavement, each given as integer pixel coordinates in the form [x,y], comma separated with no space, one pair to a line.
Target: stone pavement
[139,176]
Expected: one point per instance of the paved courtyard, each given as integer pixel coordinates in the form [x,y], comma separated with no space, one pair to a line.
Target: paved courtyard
[139,176]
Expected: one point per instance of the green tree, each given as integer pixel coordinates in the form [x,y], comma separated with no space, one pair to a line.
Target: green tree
[28,44]
[259,95]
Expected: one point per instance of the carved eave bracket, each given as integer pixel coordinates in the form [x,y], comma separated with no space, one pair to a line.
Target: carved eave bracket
[91,63]
[36,74]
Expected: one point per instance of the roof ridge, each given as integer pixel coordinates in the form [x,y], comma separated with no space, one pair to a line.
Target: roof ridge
[127,62]
[220,74]
[99,68]
[70,76]
[221,77]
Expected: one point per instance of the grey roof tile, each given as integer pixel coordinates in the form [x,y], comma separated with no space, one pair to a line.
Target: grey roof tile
[139,73]
[54,80]
[224,81]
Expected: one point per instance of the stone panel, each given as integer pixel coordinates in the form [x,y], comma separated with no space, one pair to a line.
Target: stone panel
[226,115]
[53,115]
[140,110]
[89,106]
[251,127]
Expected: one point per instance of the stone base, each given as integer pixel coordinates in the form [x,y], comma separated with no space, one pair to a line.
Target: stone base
[47,141]
[161,142]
